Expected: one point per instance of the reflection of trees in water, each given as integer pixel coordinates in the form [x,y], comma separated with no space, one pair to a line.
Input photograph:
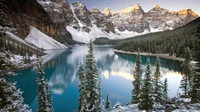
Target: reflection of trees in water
[26,79]
[63,69]
[165,63]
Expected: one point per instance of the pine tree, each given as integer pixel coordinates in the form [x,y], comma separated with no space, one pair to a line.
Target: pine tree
[195,90]
[137,80]
[158,85]
[92,82]
[48,97]
[187,70]
[107,106]
[43,107]
[11,98]
[146,98]
[165,90]
[81,89]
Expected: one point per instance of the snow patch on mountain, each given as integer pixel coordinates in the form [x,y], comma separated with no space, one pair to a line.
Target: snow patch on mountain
[74,14]
[42,41]
[85,37]
[126,33]
[16,38]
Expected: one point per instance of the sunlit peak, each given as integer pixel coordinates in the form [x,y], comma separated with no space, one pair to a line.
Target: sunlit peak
[132,8]
[157,6]
[106,11]
[137,6]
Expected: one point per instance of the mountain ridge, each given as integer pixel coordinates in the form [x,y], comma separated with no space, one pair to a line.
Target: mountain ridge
[71,21]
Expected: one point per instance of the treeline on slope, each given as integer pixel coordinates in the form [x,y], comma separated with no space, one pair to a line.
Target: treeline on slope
[168,42]
[9,45]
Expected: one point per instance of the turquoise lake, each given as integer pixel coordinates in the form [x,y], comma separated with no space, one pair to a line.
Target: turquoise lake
[61,70]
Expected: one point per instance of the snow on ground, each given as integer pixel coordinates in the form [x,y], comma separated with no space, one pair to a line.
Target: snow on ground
[18,59]
[43,41]
[154,30]
[134,108]
[13,36]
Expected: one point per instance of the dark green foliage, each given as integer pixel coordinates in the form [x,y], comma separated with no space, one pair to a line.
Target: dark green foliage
[165,90]
[107,106]
[92,82]
[170,42]
[137,80]
[195,89]
[187,70]
[158,85]
[197,48]
[104,41]
[81,88]
[146,97]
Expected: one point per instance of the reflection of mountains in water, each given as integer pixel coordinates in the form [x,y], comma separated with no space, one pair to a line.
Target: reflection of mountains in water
[26,79]
[63,69]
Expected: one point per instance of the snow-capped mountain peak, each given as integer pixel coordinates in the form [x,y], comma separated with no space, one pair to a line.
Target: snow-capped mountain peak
[106,11]
[157,6]
[120,24]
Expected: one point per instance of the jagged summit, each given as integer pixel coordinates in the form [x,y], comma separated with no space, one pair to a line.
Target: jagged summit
[137,6]
[106,11]
[157,6]
[132,8]
[95,9]
[187,11]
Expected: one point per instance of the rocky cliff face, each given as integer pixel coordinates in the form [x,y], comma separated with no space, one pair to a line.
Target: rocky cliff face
[58,18]
[21,14]
[136,20]
[84,19]
[131,19]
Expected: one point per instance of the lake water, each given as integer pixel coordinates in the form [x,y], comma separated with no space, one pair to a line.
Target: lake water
[61,69]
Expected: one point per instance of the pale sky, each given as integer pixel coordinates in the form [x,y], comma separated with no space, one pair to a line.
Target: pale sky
[116,5]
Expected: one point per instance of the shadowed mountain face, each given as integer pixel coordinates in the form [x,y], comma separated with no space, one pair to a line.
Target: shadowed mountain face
[21,14]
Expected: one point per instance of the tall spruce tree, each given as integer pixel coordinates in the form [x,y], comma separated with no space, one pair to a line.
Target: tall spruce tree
[187,71]
[48,96]
[165,90]
[137,80]
[92,82]
[43,106]
[82,96]
[107,106]
[195,89]
[146,97]
[158,85]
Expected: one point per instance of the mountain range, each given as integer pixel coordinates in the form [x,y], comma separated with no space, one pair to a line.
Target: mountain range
[71,23]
